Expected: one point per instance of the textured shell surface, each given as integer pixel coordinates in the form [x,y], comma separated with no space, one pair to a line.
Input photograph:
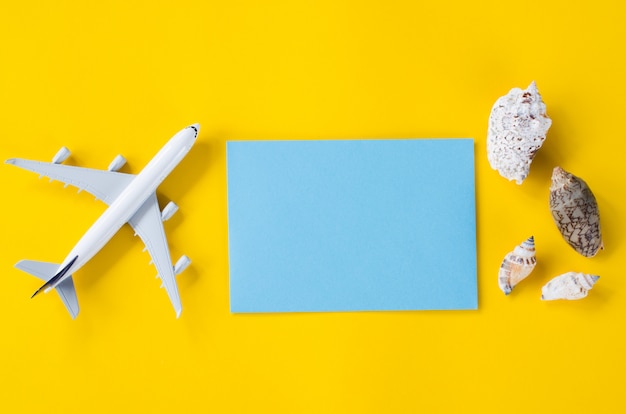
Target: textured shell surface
[518,125]
[517,265]
[575,212]
[569,286]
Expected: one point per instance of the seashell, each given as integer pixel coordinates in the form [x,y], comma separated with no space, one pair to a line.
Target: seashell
[517,265]
[575,212]
[570,286]
[517,128]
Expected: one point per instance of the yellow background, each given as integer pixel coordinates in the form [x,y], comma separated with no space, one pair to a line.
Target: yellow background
[122,77]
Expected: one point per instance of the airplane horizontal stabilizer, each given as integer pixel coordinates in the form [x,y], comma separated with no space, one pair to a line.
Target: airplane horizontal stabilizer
[47,271]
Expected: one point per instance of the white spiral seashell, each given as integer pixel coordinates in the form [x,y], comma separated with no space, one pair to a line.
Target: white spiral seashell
[569,286]
[518,125]
[517,265]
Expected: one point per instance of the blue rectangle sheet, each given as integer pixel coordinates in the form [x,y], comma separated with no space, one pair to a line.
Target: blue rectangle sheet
[351,225]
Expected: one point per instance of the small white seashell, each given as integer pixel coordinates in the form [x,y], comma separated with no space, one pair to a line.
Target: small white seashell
[517,265]
[570,286]
[517,128]
[575,212]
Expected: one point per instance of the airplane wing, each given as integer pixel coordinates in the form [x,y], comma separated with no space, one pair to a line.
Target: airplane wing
[104,185]
[148,225]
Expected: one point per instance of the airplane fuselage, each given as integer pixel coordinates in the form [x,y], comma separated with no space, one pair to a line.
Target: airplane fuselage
[129,201]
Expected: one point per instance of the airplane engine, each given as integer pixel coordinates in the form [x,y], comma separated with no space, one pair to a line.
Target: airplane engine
[117,163]
[61,155]
[181,264]
[169,211]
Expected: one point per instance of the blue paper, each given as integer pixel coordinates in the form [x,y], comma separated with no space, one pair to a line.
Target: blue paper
[360,225]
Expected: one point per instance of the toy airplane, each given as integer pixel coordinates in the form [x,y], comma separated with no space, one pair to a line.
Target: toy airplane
[131,199]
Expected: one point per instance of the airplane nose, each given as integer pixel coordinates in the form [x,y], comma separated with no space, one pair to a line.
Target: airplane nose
[196,127]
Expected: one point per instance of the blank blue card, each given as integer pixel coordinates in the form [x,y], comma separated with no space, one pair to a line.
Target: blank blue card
[365,225]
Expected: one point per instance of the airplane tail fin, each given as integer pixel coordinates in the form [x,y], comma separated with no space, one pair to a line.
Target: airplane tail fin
[46,272]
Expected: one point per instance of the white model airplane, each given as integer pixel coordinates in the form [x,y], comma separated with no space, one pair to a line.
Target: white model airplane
[131,199]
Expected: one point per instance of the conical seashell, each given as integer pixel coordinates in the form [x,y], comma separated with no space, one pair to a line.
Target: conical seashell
[570,286]
[575,212]
[517,128]
[517,265]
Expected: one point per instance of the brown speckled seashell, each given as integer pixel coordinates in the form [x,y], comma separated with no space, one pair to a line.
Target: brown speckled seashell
[575,212]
